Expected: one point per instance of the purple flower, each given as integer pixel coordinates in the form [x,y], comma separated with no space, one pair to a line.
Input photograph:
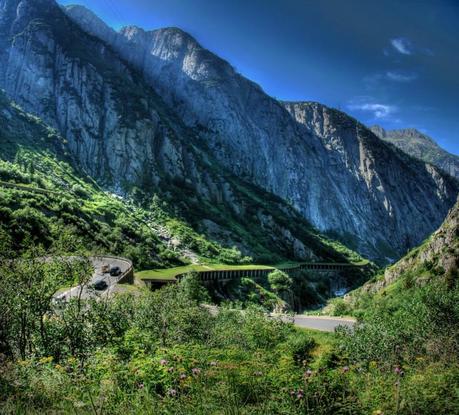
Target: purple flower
[172,392]
[398,371]
[196,371]
[171,369]
[308,373]
[140,385]
[300,394]
[163,362]
[182,376]
[345,369]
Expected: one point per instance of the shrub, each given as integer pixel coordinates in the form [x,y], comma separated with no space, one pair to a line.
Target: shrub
[300,346]
[279,281]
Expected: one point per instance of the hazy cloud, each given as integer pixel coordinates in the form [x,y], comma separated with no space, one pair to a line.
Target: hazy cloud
[375,80]
[376,109]
[399,76]
[402,45]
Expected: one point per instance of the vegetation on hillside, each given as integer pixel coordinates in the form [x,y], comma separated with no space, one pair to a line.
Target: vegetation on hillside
[163,352]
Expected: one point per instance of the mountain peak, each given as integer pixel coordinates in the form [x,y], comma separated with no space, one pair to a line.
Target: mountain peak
[419,145]
[379,131]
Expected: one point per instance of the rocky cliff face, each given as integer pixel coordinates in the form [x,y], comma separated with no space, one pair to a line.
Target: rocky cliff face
[120,132]
[421,146]
[391,193]
[330,168]
[99,94]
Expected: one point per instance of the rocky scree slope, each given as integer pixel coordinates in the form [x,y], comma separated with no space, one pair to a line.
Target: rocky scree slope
[119,132]
[335,172]
[421,146]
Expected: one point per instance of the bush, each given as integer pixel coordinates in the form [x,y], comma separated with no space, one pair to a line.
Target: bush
[301,345]
[279,281]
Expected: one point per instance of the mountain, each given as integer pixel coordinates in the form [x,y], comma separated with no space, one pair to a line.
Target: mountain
[155,111]
[346,183]
[421,146]
[413,280]
[113,129]
[436,258]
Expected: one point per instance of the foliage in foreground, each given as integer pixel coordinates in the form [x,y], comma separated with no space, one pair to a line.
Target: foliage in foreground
[163,352]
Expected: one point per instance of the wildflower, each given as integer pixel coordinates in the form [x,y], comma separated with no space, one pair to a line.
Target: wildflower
[172,392]
[170,370]
[398,371]
[258,373]
[308,373]
[196,371]
[213,363]
[292,393]
[140,385]
[300,394]
[45,360]
[163,362]
[345,369]
[182,376]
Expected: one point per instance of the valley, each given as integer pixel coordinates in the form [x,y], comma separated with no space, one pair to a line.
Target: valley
[176,240]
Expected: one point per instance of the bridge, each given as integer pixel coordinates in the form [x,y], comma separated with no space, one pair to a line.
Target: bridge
[221,273]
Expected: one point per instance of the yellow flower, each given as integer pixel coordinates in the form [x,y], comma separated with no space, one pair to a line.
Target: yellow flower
[24,362]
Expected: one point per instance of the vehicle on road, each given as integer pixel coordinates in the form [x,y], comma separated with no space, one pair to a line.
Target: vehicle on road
[100,285]
[115,271]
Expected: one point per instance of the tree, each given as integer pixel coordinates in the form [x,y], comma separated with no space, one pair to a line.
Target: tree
[193,289]
[280,282]
[28,284]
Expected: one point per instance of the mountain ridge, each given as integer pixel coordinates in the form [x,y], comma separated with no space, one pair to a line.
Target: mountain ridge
[421,146]
[142,126]
[254,135]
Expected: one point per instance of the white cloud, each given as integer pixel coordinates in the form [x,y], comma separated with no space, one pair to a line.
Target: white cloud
[399,76]
[402,45]
[377,110]
[379,79]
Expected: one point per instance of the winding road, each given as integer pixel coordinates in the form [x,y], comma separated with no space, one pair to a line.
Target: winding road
[88,291]
[322,323]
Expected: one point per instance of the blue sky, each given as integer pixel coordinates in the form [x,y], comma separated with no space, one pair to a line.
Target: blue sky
[392,62]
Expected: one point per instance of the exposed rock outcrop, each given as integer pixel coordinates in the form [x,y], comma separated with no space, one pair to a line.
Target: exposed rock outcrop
[99,95]
[328,166]
[439,254]
[120,132]
[421,146]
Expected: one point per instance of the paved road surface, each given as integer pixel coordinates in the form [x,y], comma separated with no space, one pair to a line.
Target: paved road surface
[89,291]
[322,323]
